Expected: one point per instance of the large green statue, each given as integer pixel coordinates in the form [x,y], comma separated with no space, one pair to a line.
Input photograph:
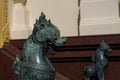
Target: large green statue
[34,64]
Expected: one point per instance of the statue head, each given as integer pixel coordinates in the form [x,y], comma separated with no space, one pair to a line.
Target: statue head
[45,32]
[105,47]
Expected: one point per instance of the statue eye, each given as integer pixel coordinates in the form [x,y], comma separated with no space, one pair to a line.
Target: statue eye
[42,25]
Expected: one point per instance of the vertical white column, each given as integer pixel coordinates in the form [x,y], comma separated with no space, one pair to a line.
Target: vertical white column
[19,27]
[99,17]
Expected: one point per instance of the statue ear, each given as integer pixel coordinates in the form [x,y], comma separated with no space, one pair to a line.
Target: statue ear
[102,42]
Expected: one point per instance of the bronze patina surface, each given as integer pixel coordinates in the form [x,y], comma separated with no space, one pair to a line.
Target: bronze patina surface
[100,62]
[34,64]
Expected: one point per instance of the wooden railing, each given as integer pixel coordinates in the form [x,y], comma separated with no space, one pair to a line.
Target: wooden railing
[70,60]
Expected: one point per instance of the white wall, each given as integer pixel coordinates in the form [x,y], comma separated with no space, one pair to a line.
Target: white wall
[99,17]
[63,13]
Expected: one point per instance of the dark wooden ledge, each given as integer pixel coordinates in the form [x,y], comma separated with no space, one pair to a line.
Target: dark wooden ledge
[69,60]
[88,41]
[81,48]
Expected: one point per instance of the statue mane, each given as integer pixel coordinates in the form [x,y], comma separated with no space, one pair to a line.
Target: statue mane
[44,30]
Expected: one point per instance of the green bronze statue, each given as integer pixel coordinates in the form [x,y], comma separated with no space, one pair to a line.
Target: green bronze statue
[34,64]
[100,62]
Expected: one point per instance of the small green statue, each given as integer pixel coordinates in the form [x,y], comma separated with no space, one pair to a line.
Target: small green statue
[100,62]
[34,64]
